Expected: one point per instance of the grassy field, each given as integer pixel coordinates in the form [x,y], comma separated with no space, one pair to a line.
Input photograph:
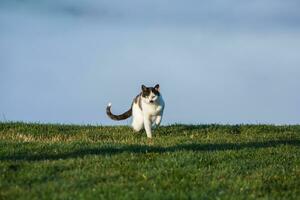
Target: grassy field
[181,162]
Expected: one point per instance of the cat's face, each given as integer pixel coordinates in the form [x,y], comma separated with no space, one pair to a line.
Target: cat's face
[150,94]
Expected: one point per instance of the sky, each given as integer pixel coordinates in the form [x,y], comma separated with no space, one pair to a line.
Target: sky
[228,62]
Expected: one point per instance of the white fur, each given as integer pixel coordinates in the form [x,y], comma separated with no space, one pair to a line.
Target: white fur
[149,116]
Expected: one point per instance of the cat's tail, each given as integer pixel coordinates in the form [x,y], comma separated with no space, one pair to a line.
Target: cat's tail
[123,116]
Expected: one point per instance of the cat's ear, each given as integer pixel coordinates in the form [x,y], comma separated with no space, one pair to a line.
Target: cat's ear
[156,87]
[144,88]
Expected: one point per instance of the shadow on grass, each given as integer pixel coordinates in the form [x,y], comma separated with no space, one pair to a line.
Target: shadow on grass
[142,149]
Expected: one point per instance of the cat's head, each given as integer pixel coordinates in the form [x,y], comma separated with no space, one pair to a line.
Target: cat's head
[150,94]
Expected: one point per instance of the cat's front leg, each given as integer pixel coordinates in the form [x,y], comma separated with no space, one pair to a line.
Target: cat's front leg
[158,120]
[147,125]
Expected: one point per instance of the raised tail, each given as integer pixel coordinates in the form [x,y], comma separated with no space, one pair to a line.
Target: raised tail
[123,116]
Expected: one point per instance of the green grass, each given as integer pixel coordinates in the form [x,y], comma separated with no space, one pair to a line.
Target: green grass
[181,162]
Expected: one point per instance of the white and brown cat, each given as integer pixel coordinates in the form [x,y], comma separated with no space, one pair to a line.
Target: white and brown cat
[146,110]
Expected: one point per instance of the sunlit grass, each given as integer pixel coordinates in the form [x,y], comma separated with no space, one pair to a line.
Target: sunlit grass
[46,161]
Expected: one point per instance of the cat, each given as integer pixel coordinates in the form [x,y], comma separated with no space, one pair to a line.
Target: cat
[146,110]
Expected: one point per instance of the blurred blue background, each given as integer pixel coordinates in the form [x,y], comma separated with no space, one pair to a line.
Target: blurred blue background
[62,61]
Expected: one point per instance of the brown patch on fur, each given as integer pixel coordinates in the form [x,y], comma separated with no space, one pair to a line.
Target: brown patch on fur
[147,90]
[155,91]
[138,100]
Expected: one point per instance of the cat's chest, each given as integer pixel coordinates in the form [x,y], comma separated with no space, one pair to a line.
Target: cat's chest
[153,109]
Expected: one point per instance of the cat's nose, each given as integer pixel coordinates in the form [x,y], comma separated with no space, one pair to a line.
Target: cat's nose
[151,101]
